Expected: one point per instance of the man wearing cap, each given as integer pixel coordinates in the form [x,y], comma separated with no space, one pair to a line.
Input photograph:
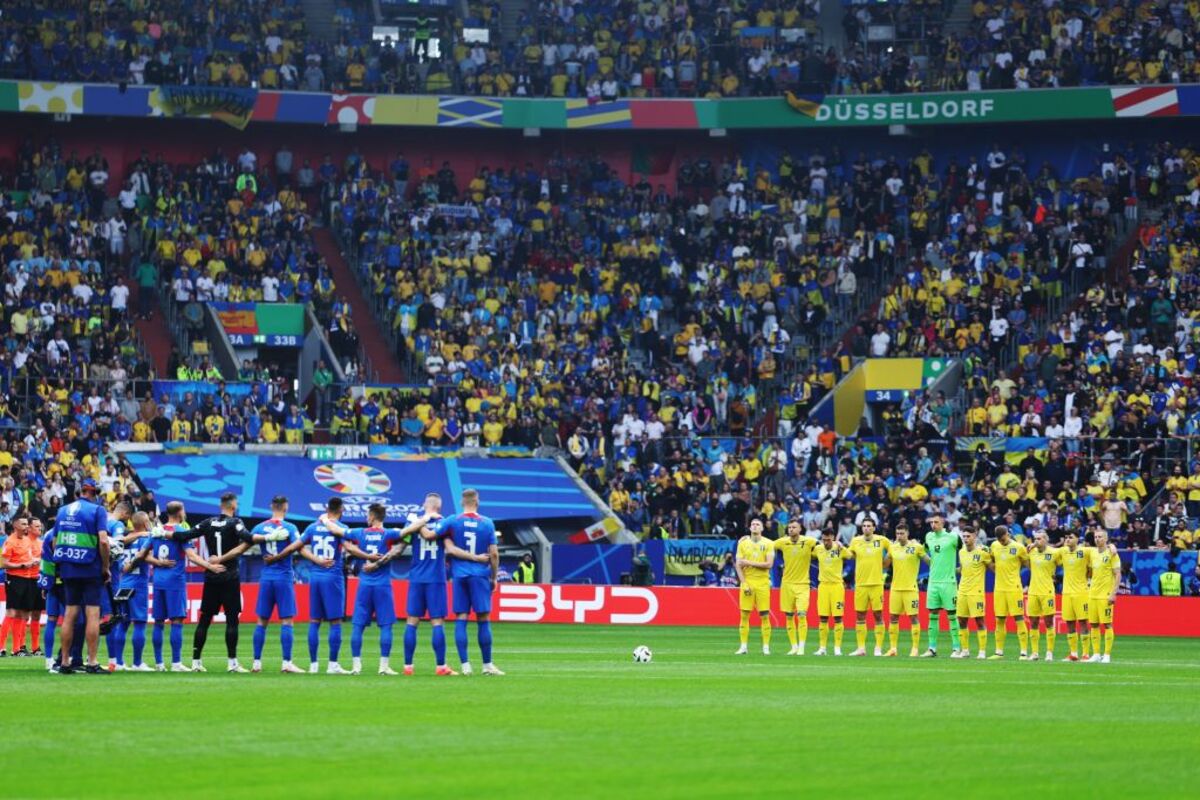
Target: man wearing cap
[82,554]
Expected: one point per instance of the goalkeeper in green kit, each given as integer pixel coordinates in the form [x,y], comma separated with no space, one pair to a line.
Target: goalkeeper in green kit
[942,547]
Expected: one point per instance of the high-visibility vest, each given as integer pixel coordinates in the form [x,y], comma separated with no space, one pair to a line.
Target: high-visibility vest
[1170,584]
[524,573]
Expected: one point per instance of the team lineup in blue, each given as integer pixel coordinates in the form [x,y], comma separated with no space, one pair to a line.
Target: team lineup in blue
[98,567]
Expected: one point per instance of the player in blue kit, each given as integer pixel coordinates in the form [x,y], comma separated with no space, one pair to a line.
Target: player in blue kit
[51,586]
[135,579]
[427,585]
[276,588]
[118,538]
[378,546]
[169,579]
[472,582]
[326,539]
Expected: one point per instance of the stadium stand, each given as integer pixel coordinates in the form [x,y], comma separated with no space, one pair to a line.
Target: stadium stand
[603,51]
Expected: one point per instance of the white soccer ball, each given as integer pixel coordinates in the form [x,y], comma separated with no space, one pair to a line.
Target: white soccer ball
[642,654]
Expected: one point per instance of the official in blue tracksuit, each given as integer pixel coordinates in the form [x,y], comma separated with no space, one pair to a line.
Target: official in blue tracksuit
[81,553]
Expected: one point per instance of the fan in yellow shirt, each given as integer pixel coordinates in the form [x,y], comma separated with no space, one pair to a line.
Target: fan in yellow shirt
[797,551]
[831,590]
[1008,556]
[755,557]
[973,560]
[1043,563]
[1075,563]
[868,550]
[904,560]
[1105,567]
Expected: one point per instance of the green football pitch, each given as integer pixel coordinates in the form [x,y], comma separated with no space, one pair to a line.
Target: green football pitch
[576,717]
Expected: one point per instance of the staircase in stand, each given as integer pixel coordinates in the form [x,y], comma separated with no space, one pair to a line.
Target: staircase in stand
[371,337]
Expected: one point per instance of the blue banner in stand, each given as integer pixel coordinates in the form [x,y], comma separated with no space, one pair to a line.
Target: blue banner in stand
[514,489]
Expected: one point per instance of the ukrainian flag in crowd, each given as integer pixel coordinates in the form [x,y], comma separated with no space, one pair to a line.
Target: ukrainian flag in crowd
[614,114]
[806,104]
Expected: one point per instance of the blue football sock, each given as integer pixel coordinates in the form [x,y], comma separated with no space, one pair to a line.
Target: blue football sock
[356,636]
[314,640]
[120,636]
[410,644]
[285,639]
[157,639]
[385,640]
[439,644]
[485,640]
[335,640]
[176,642]
[139,642]
[110,644]
[460,638]
[48,636]
[260,639]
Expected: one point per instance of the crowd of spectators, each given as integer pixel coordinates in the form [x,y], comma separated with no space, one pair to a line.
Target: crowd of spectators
[76,241]
[227,42]
[604,50]
[550,308]
[553,306]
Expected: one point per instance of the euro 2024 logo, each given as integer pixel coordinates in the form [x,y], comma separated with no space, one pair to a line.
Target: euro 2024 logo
[348,478]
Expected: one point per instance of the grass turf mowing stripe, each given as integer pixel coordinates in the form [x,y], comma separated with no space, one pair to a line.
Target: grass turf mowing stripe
[576,715]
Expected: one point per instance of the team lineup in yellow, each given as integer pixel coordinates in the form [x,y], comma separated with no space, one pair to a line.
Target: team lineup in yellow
[958,565]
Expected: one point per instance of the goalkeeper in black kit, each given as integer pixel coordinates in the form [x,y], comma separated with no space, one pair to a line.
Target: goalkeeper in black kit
[226,537]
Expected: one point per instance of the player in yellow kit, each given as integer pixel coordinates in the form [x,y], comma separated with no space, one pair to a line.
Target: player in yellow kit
[1106,577]
[904,560]
[1075,564]
[755,556]
[797,551]
[1008,598]
[973,560]
[867,549]
[1043,563]
[831,590]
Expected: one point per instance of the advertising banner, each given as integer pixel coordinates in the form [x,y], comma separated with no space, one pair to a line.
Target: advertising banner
[524,488]
[668,606]
[239,106]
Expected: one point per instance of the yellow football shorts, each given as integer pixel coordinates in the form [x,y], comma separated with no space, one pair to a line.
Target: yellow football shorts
[1100,611]
[793,598]
[831,600]
[759,599]
[1075,607]
[904,602]
[970,606]
[1040,605]
[1008,603]
[868,598]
